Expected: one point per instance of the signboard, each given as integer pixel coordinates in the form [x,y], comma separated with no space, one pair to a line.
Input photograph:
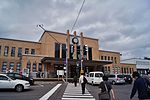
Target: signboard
[60,72]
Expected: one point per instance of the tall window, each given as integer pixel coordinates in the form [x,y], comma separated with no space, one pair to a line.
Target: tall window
[19,52]
[71,51]
[105,57]
[115,60]
[125,70]
[6,50]
[63,50]
[122,70]
[112,59]
[108,58]
[90,53]
[0,49]
[4,66]
[26,50]
[105,69]
[40,67]
[130,70]
[18,67]
[85,50]
[108,68]
[33,51]
[101,57]
[78,52]
[57,50]
[11,66]
[34,67]
[13,51]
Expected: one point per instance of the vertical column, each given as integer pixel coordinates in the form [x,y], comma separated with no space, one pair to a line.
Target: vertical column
[60,50]
[75,47]
[81,47]
[68,43]
[67,53]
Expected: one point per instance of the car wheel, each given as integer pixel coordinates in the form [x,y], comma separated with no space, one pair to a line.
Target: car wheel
[19,88]
[92,83]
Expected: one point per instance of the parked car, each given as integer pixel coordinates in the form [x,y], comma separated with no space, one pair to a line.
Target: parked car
[116,79]
[95,78]
[128,79]
[22,77]
[7,82]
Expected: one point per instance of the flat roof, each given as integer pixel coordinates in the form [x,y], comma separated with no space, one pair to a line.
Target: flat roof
[110,51]
[19,40]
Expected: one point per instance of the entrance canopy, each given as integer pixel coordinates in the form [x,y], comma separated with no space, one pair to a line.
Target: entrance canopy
[62,61]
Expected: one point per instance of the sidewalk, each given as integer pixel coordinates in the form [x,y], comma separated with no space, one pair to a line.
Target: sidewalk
[75,93]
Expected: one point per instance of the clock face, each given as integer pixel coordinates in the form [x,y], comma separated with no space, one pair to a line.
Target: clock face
[75,40]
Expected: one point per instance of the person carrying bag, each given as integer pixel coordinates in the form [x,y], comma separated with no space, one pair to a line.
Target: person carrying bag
[105,89]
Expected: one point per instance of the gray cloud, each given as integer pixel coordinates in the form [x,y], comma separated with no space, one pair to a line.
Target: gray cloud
[120,25]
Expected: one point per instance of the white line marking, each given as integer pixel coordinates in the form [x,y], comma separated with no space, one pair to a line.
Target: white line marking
[78,99]
[48,94]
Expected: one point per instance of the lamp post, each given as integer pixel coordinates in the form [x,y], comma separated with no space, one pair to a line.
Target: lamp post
[66,60]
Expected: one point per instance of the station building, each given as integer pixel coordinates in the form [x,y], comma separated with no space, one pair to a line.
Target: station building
[53,52]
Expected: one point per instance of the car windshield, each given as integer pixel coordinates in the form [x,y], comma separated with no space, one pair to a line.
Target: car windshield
[120,76]
[12,78]
[127,76]
[98,74]
[111,76]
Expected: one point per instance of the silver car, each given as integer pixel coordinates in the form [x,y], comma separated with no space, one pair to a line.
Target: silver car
[10,83]
[116,79]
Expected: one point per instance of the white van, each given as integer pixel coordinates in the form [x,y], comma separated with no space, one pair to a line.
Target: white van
[95,77]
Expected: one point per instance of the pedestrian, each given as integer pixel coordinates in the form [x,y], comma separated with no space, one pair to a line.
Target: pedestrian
[141,85]
[82,82]
[75,79]
[7,70]
[106,88]
[11,70]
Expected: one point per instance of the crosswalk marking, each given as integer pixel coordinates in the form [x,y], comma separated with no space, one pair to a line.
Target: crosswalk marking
[75,93]
[47,95]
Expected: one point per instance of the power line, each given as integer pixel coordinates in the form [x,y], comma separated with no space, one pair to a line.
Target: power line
[77,16]
[41,26]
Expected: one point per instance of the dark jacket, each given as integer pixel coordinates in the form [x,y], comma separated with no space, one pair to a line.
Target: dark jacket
[102,86]
[139,84]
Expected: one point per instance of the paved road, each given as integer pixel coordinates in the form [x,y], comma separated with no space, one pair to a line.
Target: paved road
[64,92]
[36,92]
[122,92]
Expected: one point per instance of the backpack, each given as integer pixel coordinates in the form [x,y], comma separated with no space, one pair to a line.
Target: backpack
[84,80]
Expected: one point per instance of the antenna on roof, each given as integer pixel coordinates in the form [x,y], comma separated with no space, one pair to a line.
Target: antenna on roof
[41,26]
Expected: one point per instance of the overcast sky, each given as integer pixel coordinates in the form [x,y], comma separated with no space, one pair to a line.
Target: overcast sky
[120,25]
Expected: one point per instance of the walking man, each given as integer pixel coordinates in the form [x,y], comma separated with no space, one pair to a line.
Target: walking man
[75,79]
[82,80]
[140,85]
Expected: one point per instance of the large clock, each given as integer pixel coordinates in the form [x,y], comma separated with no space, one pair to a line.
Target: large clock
[75,40]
